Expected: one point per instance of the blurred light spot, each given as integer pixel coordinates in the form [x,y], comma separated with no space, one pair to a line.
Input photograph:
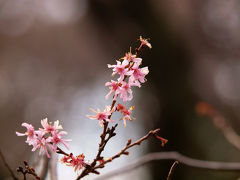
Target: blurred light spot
[16,17]
[227,82]
[220,20]
[62,11]
[6,91]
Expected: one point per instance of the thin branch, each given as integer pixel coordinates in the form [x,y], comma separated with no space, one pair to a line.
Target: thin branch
[195,163]
[170,173]
[128,145]
[104,140]
[27,170]
[7,166]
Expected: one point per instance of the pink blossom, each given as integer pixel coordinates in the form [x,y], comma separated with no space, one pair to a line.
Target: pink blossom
[65,159]
[77,162]
[121,69]
[120,108]
[132,57]
[49,128]
[125,91]
[127,115]
[30,133]
[42,143]
[56,139]
[138,74]
[114,88]
[145,42]
[102,116]
[49,137]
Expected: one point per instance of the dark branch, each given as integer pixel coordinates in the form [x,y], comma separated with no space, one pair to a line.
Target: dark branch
[27,170]
[170,173]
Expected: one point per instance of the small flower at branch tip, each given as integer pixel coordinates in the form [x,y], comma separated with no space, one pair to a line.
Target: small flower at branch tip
[163,140]
[126,113]
[145,42]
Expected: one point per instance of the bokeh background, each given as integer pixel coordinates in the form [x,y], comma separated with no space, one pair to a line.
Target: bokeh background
[53,56]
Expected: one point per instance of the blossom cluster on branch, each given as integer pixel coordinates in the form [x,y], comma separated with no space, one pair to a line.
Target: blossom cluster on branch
[48,138]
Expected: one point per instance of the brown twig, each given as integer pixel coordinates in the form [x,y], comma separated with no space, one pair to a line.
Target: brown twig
[170,173]
[104,140]
[7,166]
[195,163]
[128,145]
[60,151]
[27,170]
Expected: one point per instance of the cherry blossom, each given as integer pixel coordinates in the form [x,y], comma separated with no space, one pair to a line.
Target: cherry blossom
[56,139]
[102,116]
[30,133]
[114,88]
[121,69]
[44,139]
[127,115]
[42,143]
[120,108]
[138,74]
[132,57]
[125,91]
[145,42]
[77,162]
[48,127]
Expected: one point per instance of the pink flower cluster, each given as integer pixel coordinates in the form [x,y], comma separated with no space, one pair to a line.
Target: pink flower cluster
[130,74]
[46,138]
[77,162]
[126,113]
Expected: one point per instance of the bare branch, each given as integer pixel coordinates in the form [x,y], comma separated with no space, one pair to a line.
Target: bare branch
[195,163]
[170,173]
[128,145]
[27,170]
[7,166]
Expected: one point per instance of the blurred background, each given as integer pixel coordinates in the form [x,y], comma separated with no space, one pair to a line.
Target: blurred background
[53,63]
